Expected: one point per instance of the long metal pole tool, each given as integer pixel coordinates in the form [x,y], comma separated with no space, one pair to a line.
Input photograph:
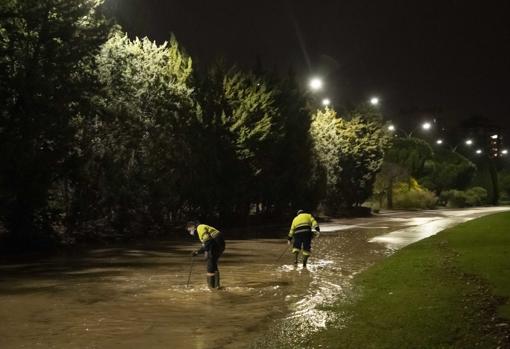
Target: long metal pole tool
[190,271]
[285,250]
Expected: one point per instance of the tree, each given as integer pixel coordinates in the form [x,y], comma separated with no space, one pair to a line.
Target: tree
[390,174]
[237,113]
[447,170]
[136,147]
[504,184]
[293,183]
[351,153]
[410,153]
[47,48]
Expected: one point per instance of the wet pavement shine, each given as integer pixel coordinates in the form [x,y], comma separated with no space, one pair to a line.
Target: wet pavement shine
[136,296]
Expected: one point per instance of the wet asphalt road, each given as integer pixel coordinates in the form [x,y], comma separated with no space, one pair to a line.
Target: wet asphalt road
[136,296]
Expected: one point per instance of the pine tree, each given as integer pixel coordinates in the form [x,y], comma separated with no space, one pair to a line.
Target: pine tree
[350,154]
[47,49]
[238,112]
[138,144]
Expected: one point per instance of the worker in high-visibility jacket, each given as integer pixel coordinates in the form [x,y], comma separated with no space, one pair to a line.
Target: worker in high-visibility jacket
[303,229]
[213,245]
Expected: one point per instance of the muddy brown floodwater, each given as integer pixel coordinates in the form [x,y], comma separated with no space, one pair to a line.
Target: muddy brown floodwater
[136,296]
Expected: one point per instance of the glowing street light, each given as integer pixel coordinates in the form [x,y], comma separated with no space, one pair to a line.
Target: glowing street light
[426,126]
[479,151]
[439,142]
[469,142]
[504,152]
[316,84]
[494,136]
[391,128]
[374,101]
[326,102]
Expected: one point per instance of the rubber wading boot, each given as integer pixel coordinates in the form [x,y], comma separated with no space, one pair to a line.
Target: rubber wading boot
[296,258]
[211,281]
[305,259]
[217,279]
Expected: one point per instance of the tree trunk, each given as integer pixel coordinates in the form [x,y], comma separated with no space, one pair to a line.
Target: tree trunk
[389,196]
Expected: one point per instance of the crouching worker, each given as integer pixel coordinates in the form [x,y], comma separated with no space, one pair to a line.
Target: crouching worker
[303,229]
[213,246]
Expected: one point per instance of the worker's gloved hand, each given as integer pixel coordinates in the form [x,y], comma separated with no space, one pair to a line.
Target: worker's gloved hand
[289,241]
[194,253]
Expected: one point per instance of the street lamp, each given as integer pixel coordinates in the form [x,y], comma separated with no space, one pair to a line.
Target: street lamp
[316,84]
[426,126]
[504,152]
[326,102]
[374,101]
[468,142]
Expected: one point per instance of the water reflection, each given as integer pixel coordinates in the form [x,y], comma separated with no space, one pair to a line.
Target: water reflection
[136,296]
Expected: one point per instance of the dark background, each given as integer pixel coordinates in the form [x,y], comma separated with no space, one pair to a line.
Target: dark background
[450,58]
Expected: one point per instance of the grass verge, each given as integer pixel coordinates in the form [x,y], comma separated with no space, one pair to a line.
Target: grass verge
[447,291]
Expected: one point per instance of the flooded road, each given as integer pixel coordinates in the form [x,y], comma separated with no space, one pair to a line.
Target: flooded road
[136,296]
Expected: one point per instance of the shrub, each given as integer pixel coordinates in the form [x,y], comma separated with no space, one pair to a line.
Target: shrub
[414,198]
[455,198]
[475,196]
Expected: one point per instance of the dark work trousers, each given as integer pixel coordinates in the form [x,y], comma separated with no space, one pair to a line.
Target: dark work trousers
[303,241]
[214,252]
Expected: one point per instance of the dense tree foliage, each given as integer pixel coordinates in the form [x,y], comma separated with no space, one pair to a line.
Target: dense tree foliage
[101,133]
[135,146]
[239,128]
[504,184]
[350,153]
[447,170]
[405,159]
[411,153]
[47,49]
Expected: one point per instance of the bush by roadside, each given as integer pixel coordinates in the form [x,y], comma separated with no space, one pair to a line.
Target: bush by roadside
[476,196]
[410,195]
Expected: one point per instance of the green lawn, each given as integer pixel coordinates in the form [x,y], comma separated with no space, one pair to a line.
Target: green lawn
[448,291]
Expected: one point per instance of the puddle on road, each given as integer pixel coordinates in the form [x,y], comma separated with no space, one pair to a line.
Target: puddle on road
[136,297]
[132,298]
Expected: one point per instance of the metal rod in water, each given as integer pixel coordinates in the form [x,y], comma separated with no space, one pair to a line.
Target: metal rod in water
[190,271]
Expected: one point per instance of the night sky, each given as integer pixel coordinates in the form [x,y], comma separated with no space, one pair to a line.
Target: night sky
[450,57]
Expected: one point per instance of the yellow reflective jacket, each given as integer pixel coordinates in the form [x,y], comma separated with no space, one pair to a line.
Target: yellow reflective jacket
[303,222]
[206,232]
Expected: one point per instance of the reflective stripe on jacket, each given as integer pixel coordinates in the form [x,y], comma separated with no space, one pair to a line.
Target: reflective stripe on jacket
[303,222]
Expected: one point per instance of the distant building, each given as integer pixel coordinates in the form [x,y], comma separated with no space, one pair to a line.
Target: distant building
[487,135]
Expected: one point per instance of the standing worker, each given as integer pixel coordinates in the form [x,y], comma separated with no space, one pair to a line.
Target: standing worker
[303,229]
[213,246]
